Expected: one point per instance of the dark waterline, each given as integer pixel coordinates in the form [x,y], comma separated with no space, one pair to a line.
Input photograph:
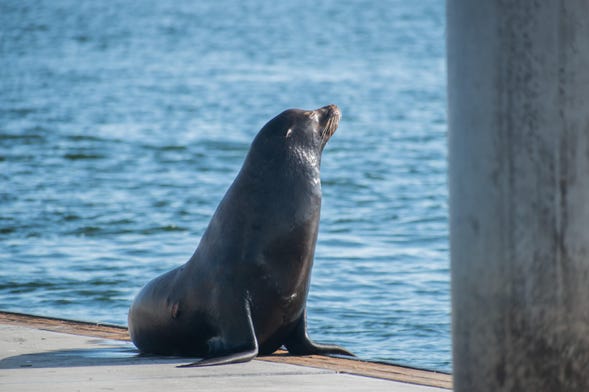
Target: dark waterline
[122,124]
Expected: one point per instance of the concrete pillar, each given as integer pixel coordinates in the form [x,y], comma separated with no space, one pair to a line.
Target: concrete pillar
[518,93]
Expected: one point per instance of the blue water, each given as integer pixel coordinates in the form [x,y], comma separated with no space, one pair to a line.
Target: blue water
[123,123]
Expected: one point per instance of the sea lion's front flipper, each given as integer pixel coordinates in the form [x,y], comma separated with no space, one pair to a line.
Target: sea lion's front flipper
[299,343]
[237,344]
[243,356]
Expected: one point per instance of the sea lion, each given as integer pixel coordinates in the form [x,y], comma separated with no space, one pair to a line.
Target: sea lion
[243,292]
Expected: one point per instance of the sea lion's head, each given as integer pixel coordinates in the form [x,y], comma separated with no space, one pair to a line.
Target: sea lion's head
[296,134]
[311,127]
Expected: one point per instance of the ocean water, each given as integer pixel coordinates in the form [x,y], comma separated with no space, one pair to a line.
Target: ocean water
[123,123]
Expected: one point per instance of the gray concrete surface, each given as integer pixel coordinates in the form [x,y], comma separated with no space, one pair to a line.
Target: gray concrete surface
[518,96]
[36,360]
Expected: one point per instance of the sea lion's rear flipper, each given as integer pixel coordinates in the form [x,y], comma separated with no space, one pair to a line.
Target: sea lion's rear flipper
[237,343]
[299,343]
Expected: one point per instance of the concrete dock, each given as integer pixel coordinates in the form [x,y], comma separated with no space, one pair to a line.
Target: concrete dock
[59,355]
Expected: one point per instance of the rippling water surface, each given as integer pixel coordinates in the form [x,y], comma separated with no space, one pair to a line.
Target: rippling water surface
[123,123]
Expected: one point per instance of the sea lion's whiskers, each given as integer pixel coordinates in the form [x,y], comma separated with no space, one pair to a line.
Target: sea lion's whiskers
[329,128]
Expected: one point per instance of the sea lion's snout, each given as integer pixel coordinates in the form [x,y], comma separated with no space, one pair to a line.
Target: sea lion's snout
[328,117]
[326,112]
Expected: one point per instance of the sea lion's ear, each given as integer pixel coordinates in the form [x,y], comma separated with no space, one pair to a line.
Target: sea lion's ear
[312,115]
[288,133]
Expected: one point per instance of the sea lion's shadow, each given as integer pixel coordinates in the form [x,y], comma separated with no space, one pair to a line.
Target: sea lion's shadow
[112,355]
